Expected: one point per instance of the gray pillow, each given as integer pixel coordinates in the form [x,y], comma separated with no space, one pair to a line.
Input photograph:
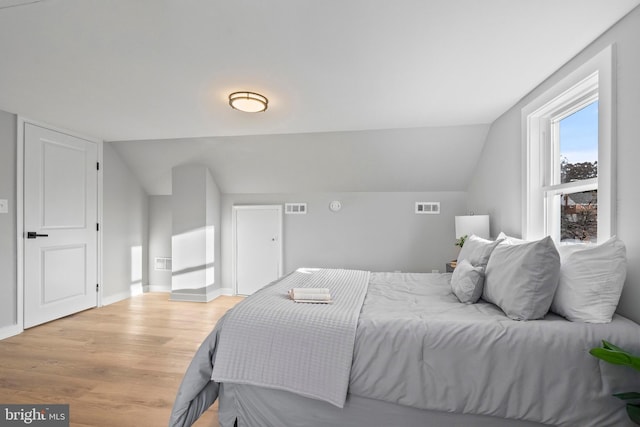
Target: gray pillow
[467,282]
[477,250]
[522,279]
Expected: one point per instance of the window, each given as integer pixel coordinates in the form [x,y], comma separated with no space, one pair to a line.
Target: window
[571,194]
[568,157]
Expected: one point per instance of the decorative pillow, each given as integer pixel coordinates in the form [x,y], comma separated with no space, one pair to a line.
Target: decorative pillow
[522,279]
[467,282]
[591,281]
[477,250]
[510,240]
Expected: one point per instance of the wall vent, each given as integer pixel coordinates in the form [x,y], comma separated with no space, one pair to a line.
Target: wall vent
[295,208]
[428,207]
[163,264]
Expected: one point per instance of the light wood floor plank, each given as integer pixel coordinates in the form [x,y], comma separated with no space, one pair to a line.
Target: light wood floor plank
[118,365]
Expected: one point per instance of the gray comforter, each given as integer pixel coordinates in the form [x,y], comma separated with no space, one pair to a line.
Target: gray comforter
[417,346]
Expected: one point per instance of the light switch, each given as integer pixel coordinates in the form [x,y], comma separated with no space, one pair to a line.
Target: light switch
[4,206]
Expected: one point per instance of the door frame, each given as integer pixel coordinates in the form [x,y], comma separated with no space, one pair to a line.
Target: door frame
[234,242]
[22,122]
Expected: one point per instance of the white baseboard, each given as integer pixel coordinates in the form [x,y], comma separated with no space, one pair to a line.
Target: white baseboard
[157,288]
[106,300]
[134,290]
[215,293]
[185,297]
[9,331]
[209,295]
[226,291]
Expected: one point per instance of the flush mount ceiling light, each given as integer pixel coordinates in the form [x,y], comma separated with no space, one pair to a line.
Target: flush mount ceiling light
[249,102]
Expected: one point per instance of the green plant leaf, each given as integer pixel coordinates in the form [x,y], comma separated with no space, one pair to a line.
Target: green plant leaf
[611,356]
[617,356]
[633,411]
[609,346]
[632,395]
[460,241]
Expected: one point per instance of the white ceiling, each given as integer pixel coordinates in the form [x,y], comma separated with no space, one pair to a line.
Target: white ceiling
[155,69]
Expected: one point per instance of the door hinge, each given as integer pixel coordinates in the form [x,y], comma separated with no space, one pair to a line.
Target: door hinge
[97,165]
[97,226]
[97,287]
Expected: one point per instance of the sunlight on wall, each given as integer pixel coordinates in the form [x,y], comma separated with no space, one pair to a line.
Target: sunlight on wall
[136,271]
[193,259]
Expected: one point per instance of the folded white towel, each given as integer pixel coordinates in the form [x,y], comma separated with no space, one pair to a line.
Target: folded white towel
[310,294]
[304,291]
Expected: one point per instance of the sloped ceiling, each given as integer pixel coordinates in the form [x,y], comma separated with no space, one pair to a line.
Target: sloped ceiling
[422,159]
[333,71]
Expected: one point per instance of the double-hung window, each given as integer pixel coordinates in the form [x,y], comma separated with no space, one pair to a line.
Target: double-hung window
[568,135]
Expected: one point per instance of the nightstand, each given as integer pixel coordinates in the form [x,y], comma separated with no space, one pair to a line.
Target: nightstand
[451,266]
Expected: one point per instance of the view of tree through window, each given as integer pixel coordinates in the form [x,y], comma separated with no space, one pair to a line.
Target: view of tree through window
[579,213]
[579,161]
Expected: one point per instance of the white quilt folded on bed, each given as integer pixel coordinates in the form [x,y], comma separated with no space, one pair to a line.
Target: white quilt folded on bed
[268,340]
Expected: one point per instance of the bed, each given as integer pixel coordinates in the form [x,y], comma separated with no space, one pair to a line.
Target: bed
[420,357]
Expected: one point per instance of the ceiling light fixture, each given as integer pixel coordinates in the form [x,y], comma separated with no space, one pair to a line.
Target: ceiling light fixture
[249,102]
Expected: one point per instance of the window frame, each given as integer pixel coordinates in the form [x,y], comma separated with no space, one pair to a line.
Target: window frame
[594,80]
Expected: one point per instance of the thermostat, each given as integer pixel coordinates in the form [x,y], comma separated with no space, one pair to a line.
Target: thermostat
[335,206]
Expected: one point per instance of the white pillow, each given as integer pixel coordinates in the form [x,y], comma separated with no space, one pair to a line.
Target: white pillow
[467,282]
[522,279]
[477,250]
[510,240]
[591,281]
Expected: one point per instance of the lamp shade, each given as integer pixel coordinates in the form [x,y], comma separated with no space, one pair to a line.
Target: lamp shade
[467,225]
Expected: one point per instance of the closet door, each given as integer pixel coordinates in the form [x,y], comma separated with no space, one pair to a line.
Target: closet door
[258,246]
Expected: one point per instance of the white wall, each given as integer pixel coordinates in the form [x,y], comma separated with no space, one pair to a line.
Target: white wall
[195,205]
[159,241]
[373,231]
[125,230]
[497,183]
[214,217]
[8,256]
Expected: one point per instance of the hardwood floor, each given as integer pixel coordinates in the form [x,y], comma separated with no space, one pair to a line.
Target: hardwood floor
[118,365]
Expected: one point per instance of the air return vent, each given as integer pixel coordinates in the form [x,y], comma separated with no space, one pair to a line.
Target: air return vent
[163,264]
[428,207]
[295,208]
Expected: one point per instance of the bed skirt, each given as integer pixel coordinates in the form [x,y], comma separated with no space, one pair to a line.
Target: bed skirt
[254,406]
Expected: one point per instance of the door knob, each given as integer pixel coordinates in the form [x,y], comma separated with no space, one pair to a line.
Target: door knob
[33,235]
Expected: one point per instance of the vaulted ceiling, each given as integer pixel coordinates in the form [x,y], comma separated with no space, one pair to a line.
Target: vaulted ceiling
[432,74]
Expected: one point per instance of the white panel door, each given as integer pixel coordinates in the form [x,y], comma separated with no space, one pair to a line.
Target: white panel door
[60,217]
[258,231]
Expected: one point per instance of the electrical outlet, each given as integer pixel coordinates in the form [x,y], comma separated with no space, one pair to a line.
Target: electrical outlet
[435,271]
[4,206]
